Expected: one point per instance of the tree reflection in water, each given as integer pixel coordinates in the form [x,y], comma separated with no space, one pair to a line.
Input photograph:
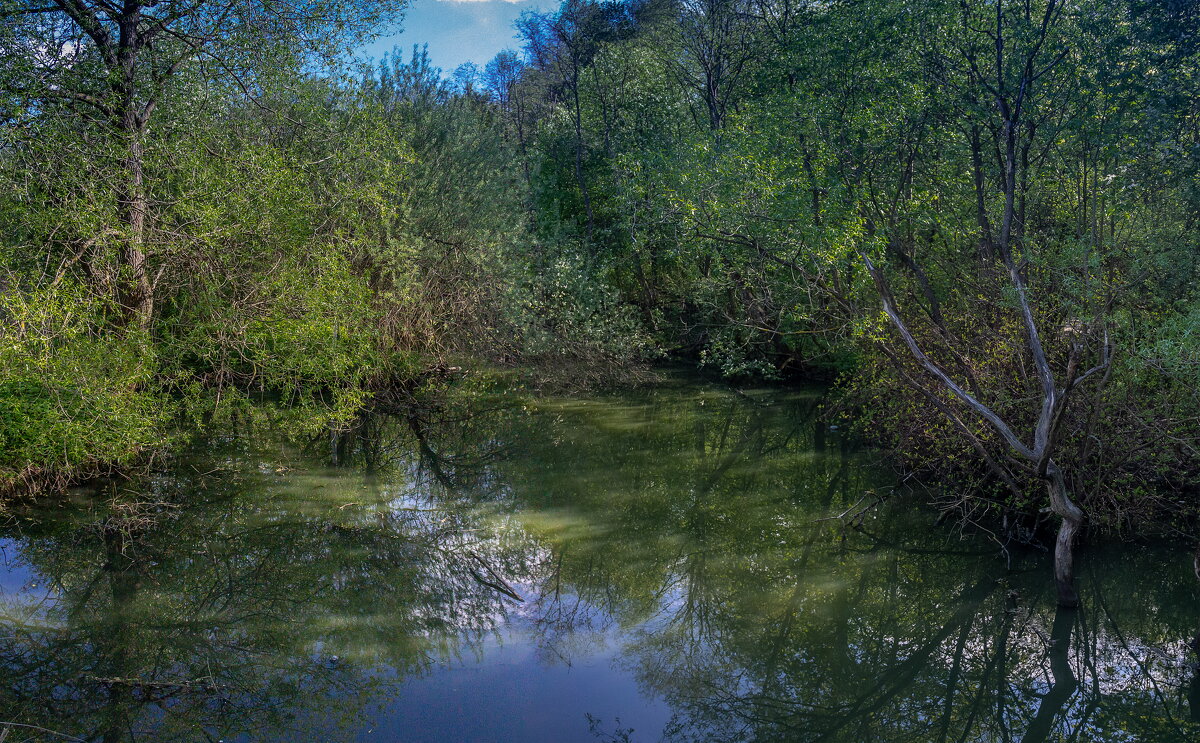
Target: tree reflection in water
[278,596]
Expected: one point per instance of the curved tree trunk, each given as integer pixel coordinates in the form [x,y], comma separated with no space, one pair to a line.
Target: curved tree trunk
[1064,547]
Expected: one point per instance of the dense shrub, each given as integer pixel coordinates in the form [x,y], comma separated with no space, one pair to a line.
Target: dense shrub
[74,398]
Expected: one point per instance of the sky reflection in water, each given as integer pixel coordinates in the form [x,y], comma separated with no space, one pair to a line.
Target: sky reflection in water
[568,570]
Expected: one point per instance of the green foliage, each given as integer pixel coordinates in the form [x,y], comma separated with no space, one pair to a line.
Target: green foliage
[73,399]
[570,313]
[305,332]
[726,168]
[649,178]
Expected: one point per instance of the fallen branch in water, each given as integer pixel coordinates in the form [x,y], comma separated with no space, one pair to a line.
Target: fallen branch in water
[842,516]
[5,727]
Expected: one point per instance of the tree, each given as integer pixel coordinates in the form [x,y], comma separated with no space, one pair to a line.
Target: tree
[719,48]
[1021,45]
[562,46]
[114,62]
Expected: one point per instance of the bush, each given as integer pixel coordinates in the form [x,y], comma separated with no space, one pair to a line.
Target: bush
[306,331]
[75,398]
[566,312]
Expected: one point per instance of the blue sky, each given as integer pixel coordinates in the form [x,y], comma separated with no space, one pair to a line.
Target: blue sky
[458,31]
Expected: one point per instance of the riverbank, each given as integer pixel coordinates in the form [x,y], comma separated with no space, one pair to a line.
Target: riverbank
[60,430]
[64,422]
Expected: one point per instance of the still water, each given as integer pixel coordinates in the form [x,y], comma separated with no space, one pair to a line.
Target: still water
[687,563]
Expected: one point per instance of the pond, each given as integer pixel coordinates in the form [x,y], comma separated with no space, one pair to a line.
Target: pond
[683,563]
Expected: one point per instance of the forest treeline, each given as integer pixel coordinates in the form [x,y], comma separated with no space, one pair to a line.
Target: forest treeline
[979,215]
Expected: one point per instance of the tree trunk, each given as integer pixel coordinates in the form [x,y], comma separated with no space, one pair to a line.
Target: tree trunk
[1064,547]
[1064,684]
[134,294]
[134,290]
[579,176]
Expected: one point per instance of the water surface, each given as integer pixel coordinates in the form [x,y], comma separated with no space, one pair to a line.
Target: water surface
[688,563]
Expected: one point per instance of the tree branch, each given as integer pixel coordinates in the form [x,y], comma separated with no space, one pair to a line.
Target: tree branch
[978,407]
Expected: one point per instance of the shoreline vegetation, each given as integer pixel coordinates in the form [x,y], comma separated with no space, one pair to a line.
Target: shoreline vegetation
[978,217]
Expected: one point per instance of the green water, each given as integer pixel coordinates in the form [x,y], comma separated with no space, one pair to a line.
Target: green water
[651,566]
